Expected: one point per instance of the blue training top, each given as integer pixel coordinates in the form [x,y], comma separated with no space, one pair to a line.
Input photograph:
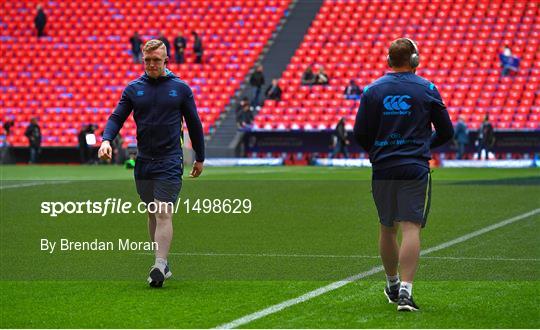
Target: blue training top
[158,107]
[393,123]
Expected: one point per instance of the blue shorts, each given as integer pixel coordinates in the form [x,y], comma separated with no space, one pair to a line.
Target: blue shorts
[159,179]
[402,193]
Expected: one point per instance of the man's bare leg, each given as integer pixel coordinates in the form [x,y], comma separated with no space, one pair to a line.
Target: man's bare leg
[389,249]
[409,253]
[151,226]
[164,230]
[162,235]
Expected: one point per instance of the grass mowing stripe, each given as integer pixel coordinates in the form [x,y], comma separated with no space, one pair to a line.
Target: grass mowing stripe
[484,259]
[336,285]
[31,184]
[329,256]
[269,255]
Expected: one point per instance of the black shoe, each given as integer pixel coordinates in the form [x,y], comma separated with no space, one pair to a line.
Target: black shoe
[392,293]
[156,277]
[406,303]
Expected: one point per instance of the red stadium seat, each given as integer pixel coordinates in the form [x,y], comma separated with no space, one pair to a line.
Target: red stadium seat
[76,75]
[459,48]
[73,68]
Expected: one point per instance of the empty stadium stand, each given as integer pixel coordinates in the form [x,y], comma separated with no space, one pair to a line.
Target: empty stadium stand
[459,44]
[74,76]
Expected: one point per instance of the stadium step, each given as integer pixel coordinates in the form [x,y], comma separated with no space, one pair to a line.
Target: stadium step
[226,141]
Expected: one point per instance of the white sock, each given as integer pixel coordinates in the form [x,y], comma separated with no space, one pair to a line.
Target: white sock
[161,263]
[407,286]
[392,280]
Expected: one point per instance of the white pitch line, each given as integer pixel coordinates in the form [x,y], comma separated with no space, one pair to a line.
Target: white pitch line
[291,302]
[31,184]
[336,285]
[480,232]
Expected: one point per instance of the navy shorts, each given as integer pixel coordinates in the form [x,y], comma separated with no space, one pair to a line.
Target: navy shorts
[402,193]
[159,179]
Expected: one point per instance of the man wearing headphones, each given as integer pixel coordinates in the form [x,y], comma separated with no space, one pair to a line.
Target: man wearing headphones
[160,102]
[393,125]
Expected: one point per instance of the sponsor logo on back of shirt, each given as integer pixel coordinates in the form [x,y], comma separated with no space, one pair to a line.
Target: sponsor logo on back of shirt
[395,139]
[397,105]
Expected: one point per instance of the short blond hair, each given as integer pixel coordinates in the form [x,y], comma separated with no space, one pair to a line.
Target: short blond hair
[152,45]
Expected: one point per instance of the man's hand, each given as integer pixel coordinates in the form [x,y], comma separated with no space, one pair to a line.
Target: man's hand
[197,169]
[105,151]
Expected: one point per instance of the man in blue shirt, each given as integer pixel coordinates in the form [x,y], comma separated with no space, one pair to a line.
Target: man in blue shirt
[393,125]
[160,102]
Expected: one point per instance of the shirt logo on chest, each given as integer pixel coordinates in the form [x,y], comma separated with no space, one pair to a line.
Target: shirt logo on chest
[173,93]
[140,93]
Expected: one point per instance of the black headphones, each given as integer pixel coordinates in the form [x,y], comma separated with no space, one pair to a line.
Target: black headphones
[414,61]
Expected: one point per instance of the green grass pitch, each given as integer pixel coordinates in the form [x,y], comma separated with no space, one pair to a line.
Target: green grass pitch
[308,227]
